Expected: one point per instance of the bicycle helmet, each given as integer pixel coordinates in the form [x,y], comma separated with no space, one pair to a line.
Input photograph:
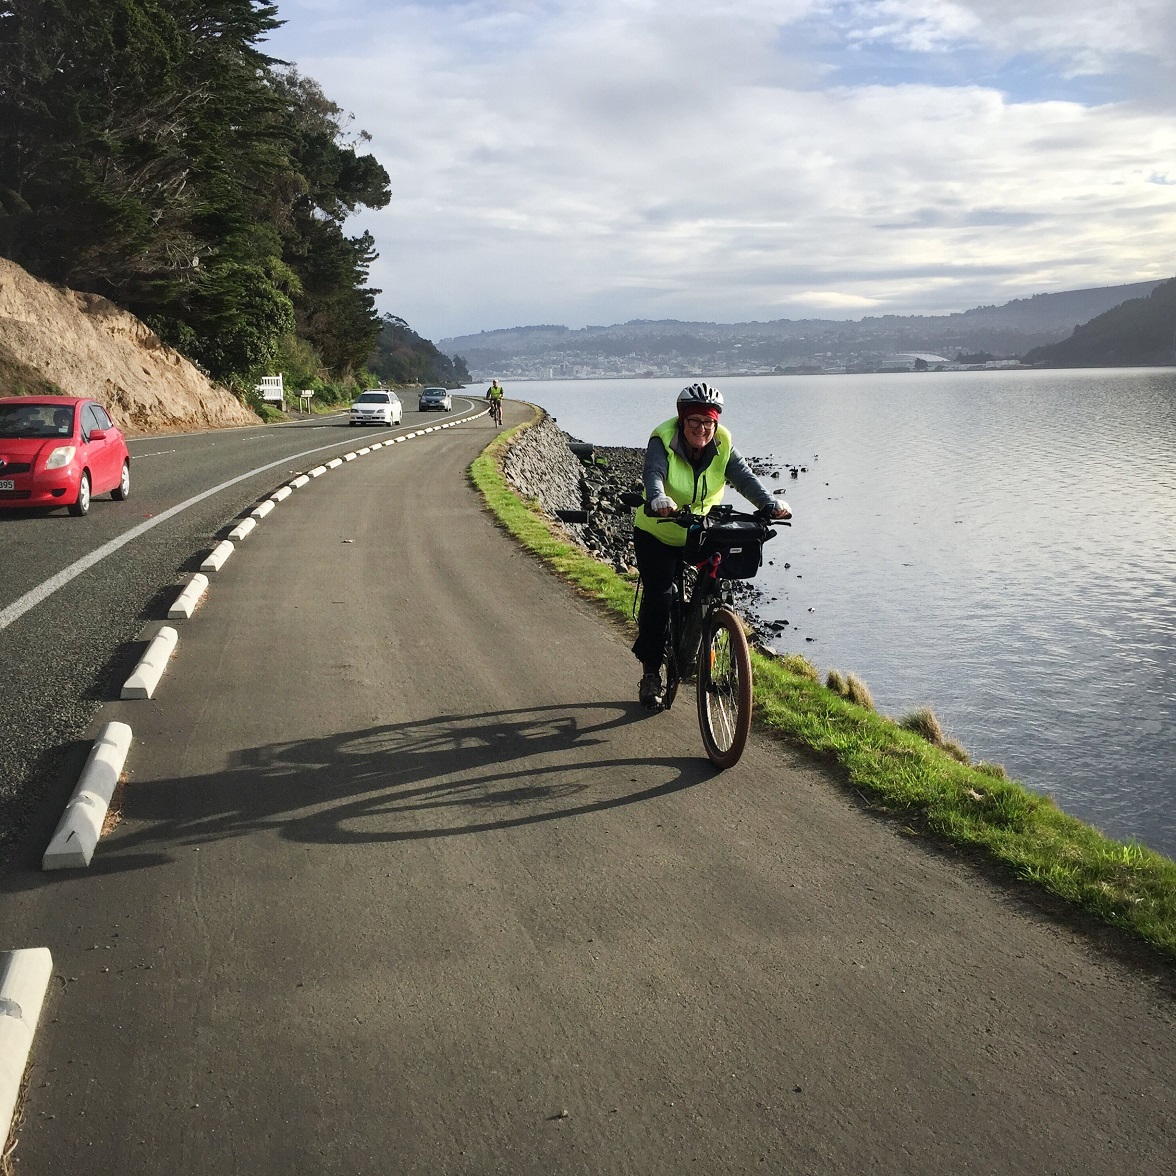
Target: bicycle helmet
[702,396]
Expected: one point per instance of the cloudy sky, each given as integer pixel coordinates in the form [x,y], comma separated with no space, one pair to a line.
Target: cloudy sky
[601,160]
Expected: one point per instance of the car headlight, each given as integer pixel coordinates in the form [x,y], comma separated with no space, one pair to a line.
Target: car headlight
[61,457]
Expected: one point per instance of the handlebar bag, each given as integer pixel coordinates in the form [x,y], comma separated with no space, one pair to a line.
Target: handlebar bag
[739,542]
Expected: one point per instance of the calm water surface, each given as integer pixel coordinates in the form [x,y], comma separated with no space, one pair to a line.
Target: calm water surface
[999,545]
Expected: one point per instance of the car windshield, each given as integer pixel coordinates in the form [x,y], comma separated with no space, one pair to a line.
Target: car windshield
[434,392]
[36,420]
[373,398]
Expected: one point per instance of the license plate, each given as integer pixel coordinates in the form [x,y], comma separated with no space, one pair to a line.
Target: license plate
[7,484]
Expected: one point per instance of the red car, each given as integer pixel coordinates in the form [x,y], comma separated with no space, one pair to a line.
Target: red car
[60,451]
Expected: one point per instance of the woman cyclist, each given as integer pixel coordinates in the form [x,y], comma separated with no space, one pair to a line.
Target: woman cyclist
[688,462]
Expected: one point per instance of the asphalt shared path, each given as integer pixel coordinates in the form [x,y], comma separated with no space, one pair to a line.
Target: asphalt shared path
[406,882]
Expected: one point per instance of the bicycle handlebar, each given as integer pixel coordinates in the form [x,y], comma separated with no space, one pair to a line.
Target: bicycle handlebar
[685,516]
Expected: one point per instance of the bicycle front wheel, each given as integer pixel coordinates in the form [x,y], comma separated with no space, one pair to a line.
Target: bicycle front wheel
[724,688]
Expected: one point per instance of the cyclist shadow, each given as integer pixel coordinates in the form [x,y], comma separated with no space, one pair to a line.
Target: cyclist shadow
[447,776]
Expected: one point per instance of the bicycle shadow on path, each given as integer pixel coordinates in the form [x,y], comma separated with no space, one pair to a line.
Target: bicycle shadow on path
[446,776]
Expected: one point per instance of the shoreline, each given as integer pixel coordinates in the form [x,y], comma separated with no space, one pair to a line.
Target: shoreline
[582,497]
[899,770]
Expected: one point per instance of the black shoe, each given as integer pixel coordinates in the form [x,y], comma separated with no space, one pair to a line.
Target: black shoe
[649,693]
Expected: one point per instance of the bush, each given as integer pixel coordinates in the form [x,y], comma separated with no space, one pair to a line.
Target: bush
[798,664]
[923,722]
[858,692]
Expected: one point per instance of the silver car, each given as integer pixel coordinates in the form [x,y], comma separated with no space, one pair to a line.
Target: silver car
[435,398]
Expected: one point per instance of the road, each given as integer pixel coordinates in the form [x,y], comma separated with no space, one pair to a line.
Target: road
[406,882]
[65,655]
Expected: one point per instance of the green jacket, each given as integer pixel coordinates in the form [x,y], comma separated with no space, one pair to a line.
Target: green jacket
[701,489]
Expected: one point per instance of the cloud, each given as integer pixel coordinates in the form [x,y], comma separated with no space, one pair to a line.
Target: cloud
[834,300]
[554,162]
[1078,36]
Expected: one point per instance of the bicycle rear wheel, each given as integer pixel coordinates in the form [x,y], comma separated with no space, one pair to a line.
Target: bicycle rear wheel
[724,688]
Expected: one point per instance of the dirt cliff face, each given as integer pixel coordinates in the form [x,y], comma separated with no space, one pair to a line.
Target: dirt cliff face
[56,340]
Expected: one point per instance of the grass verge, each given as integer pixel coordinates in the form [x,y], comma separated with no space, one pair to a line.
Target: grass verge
[897,770]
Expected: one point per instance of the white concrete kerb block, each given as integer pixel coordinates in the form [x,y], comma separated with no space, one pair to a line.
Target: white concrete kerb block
[242,530]
[365,449]
[281,494]
[409,436]
[215,560]
[318,471]
[73,844]
[24,978]
[185,604]
[298,482]
[399,439]
[142,683]
[334,463]
[259,512]
[349,456]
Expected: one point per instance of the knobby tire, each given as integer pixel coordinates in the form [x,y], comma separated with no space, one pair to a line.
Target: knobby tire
[724,689]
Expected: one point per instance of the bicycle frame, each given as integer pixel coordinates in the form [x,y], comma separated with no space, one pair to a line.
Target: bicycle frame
[688,619]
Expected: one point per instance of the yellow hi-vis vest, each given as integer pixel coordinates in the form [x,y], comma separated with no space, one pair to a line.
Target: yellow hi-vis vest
[700,491]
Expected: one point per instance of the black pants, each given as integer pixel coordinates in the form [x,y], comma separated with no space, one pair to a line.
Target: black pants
[658,565]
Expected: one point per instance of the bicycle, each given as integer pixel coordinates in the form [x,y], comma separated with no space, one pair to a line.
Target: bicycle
[496,411]
[705,633]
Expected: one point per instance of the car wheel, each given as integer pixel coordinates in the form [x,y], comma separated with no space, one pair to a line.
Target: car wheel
[81,505]
[122,491]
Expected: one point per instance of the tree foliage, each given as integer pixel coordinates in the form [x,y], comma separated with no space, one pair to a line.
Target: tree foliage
[151,152]
[403,357]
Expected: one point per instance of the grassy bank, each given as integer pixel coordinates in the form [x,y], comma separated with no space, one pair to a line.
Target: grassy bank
[919,778]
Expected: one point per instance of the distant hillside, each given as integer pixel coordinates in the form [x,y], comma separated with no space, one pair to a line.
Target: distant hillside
[404,357]
[672,347]
[1141,332]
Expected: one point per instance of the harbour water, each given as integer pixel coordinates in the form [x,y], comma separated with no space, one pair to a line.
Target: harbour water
[1000,546]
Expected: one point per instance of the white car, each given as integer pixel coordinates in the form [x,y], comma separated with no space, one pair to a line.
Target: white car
[438,398]
[377,407]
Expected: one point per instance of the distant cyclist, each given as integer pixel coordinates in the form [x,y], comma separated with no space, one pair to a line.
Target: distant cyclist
[688,462]
[494,396]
